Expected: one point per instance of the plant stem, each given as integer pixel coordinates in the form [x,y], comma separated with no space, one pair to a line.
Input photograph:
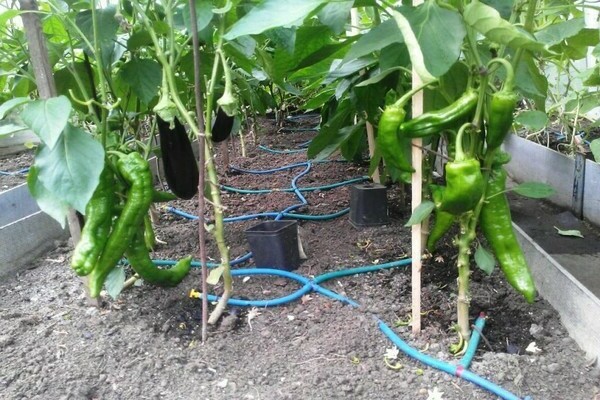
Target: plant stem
[462,305]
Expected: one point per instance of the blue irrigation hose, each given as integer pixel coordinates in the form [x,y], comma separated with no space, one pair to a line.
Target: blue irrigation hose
[474,342]
[274,151]
[12,173]
[291,130]
[305,217]
[302,189]
[268,171]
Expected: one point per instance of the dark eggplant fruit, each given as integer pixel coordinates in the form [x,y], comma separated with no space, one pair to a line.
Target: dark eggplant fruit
[222,126]
[179,162]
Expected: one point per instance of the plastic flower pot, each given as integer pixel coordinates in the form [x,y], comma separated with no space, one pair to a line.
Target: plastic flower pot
[274,244]
[368,205]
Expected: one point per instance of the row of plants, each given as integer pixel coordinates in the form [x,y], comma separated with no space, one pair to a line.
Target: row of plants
[133,70]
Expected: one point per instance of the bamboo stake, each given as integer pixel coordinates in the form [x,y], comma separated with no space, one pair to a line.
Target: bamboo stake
[46,87]
[417,190]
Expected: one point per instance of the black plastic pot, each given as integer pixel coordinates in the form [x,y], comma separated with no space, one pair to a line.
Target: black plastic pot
[274,244]
[368,205]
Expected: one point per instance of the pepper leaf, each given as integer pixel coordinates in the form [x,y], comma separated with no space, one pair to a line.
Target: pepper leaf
[115,281]
[569,232]
[595,148]
[534,190]
[485,260]
[420,213]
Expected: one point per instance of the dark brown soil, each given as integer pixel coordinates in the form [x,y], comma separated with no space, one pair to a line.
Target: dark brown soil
[146,344]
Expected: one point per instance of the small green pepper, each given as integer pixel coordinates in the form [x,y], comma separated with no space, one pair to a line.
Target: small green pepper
[98,221]
[443,220]
[395,150]
[136,172]
[496,224]
[464,181]
[433,122]
[500,109]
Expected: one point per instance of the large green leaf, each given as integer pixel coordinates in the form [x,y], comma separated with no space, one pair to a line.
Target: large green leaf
[71,169]
[310,39]
[143,76]
[271,14]
[433,35]
[107,26]
[204,14]
[487,21]
[336,15]
[531,82]
[339,70]
[11,104]
[504,7]
[376,39]
[46,200]
[333,133]
[534,190]
[10,128]
[556,33]
[47,118]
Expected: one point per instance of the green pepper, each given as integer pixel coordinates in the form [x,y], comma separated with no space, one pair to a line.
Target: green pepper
[139,259]
[98,221]
[500,109]
[395,150]
[159,196]
[149,237]
[464,180]
[136,172]
[443,220]
[433,122]
[495,221]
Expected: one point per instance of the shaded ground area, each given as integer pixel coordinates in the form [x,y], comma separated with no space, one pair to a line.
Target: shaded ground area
[145,345]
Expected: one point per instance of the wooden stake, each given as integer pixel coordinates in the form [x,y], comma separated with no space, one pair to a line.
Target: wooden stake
[417,190]
[42,71]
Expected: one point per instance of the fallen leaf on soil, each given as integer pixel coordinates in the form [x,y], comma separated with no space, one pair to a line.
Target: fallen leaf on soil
[434,394]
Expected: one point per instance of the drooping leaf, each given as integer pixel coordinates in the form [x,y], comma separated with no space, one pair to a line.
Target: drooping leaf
[11,104]
[420,213]
[46,200]
[376,39]
[333,133]
[487,21]
[569,232]
[204,14]
[10,128]
[271,14]
[144,76]
[72,168]
[484,260]
[115,281]
[434,37]
[310,39]
[531,82]
[534,190]
[107,26]
[595,148]
[557,32]
[47,118]
[336,15]
[532,119]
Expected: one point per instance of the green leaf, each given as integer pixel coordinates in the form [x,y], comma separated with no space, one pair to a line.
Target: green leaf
[47,118]
[46,200]
[115,281]
[434,37]
[144,77]
[10,128]
[487,21]
[420,213]
[569,232]
[272,14]
[339,70]
[310,38]
[376,39]
[72,168]
[8,15]
[557,32]
[204,14]
[139,39]
[595,148]
[214,275]
[336,15]
[484,260]
[534,190]
[10,104]
[531,82]
[532,119]
[107,26]
[333,133]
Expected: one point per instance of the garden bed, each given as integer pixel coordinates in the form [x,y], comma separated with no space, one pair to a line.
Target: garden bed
[146,343]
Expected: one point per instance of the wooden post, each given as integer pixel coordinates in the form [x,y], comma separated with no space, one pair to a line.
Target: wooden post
[417,190]
[38,53]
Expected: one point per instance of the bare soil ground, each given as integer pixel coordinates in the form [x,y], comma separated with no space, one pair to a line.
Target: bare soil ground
[146,344]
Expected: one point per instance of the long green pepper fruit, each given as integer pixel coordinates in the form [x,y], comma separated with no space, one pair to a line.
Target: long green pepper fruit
[496,224]
[443,220]
[136,172]
[396,150]
[434,122]
[501,109]
[98,221]
[464,180]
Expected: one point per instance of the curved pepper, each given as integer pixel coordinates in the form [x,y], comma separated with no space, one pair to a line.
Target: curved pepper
[495,222]
[98,221]
[464,181]
[501,109]
[139,259]
[443,220]
[136,172]
[433,122]
[395,150]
